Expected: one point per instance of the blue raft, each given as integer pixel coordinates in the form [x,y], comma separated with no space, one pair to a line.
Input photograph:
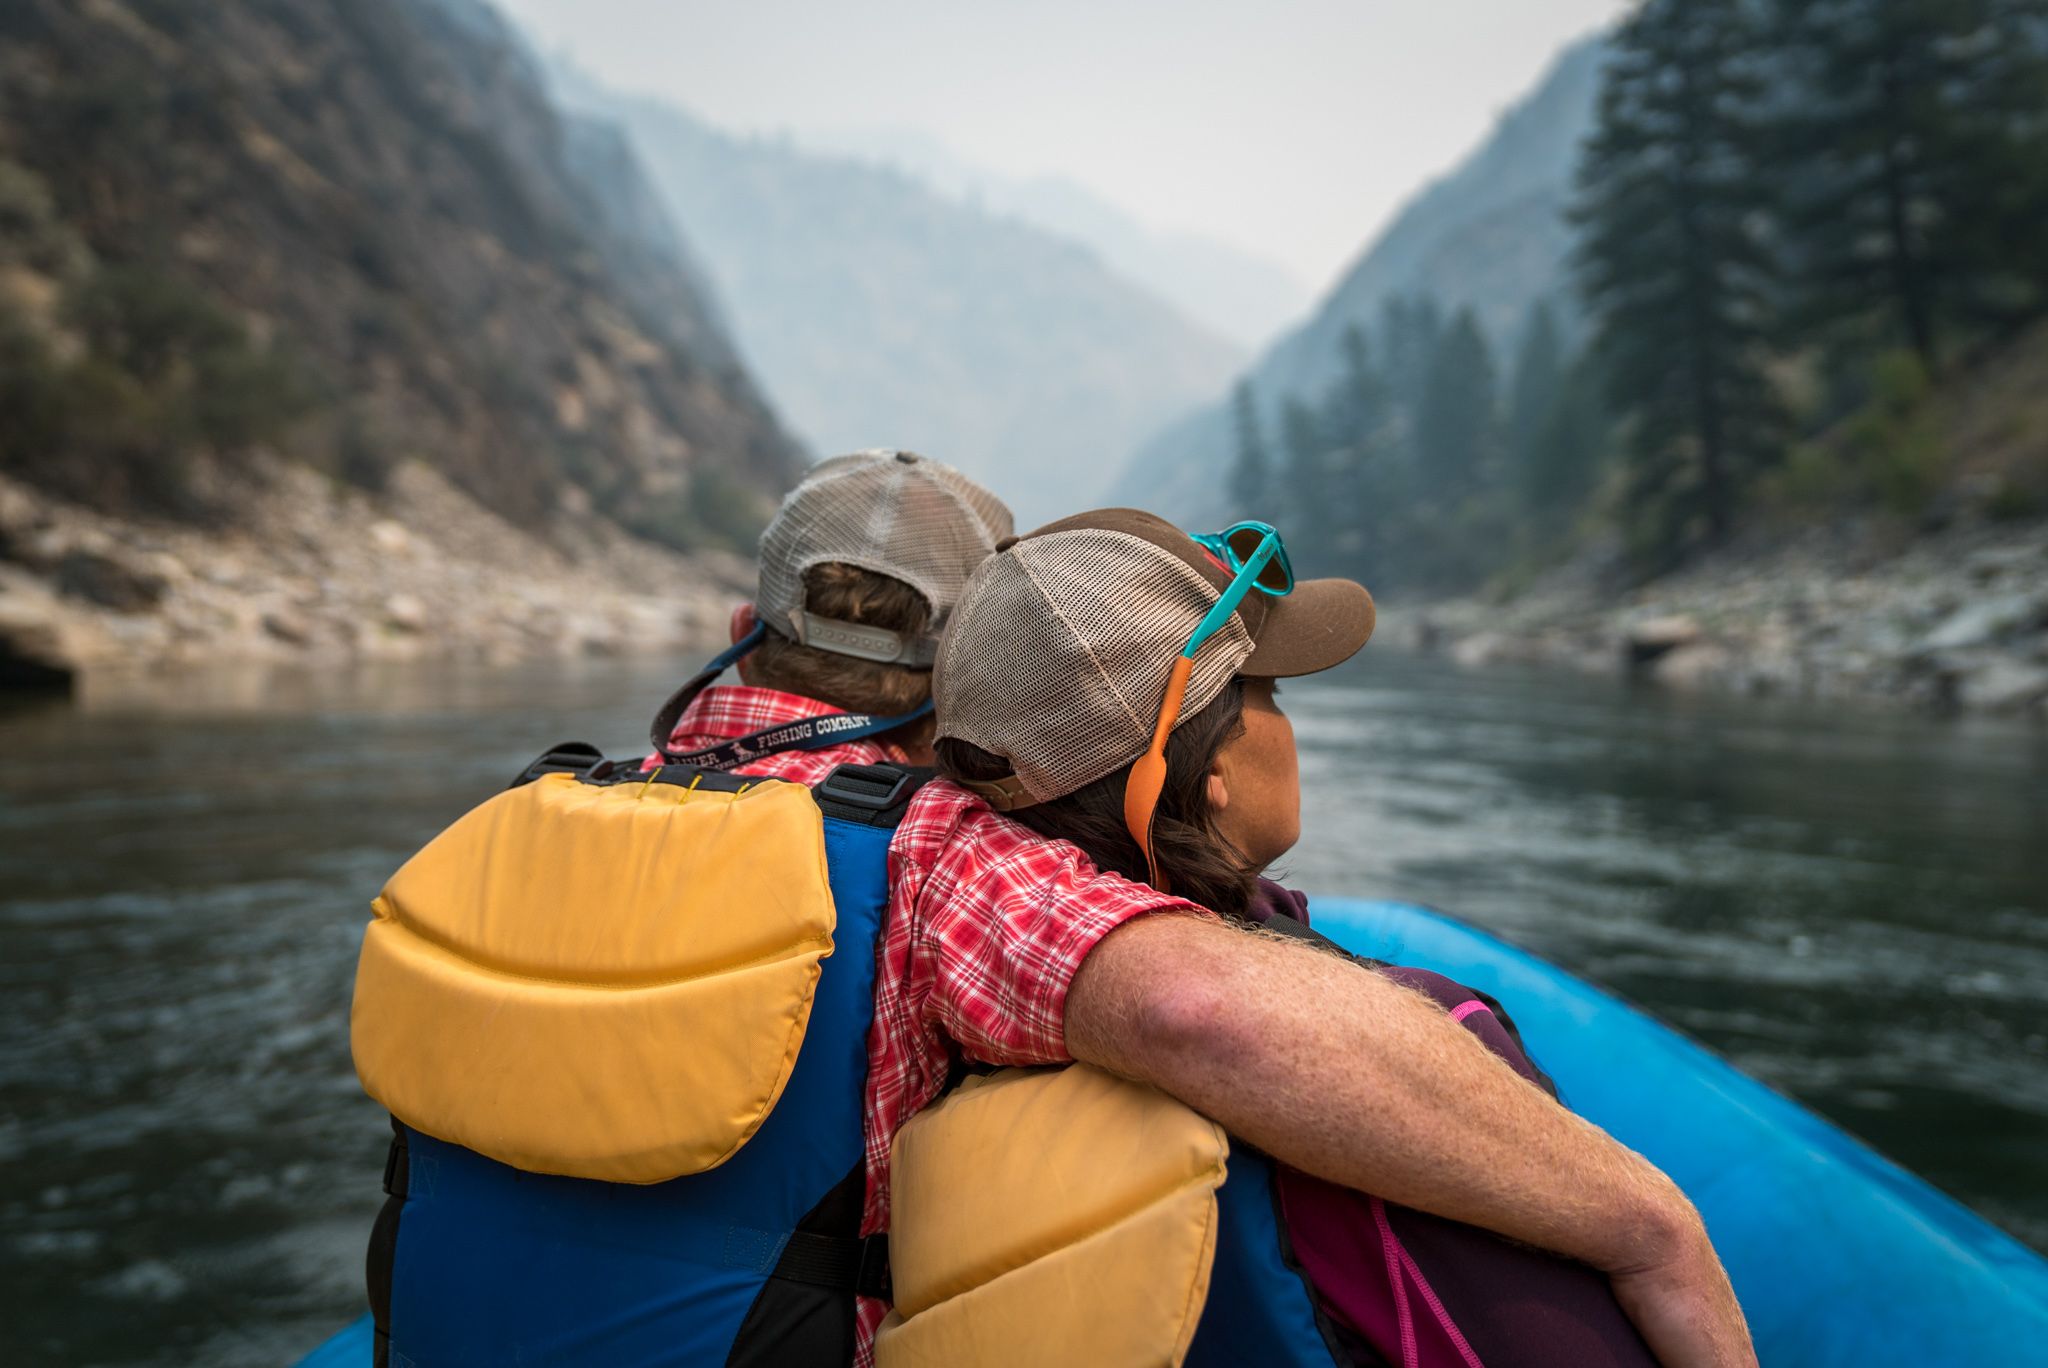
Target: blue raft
[1840,1257]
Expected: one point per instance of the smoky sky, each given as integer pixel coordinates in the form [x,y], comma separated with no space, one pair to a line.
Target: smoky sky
[1290,128]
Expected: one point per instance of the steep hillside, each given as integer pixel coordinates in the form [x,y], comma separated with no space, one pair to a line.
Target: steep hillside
[1829,592]
[371,205]
[1491,235]
[879,312]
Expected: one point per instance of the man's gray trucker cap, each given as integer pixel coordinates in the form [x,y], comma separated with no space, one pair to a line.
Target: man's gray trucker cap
[892,512]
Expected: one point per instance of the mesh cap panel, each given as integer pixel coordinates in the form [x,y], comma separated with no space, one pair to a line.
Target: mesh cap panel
[892,512]
[1059,652]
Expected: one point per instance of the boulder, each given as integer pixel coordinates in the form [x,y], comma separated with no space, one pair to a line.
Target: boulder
[1654,637]
[391,538]
[1985,620]
[109,581]
[2002,684]
[2004,562]
[33,655]
[1697,664]
[1482,649]
[405,613]
[293,629]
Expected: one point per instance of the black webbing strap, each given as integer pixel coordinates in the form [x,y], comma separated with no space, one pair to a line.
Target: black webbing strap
[588,764]
[380,1262]
[397,1164]
[834,1261]
[872,795]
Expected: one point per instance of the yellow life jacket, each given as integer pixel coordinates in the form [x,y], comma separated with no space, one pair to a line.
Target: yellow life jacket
[606,981]
[1051,1217]
[620,1020]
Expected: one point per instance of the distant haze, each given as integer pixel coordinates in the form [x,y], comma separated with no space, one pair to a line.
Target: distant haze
[1289,129]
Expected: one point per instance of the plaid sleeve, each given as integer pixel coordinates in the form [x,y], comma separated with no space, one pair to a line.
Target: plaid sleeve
[1014,917]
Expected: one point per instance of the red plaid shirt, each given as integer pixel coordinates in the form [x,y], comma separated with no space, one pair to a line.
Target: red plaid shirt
[988,922]
[728,712]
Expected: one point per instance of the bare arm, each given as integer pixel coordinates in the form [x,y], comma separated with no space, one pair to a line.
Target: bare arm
[1360,1081]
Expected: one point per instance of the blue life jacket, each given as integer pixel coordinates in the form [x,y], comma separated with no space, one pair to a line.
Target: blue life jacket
[1260,1307]
[753,1262]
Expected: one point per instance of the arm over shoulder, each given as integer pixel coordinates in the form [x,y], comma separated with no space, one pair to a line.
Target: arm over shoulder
[1003,921]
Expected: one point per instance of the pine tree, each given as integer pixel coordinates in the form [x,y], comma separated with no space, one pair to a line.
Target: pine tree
[1911,163]
[1356,398]
[1409,330]
[1363,471]
[1251,475]
[1561,464]
[1457,421]
[1674,265]
[1537,389]
[1311,515]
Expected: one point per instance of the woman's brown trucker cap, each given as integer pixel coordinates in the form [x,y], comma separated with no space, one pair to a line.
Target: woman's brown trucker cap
[895,513]
[1059,651]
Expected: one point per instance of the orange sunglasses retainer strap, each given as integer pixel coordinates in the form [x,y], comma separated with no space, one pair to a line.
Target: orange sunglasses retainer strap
[1148,776]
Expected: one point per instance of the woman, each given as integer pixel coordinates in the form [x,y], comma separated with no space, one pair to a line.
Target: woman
[1049,681]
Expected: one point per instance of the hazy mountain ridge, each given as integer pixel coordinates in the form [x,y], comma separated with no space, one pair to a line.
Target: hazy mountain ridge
[877,311]
[1236,294]
[1491,234]
[379,191]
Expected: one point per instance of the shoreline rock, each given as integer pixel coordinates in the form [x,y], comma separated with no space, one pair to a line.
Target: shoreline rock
[315,572]
[1954,621]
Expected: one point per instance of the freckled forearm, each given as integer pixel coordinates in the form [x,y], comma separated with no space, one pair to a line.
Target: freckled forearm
[1363,1082]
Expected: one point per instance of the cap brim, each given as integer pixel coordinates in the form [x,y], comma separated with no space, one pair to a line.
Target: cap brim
[1321,624]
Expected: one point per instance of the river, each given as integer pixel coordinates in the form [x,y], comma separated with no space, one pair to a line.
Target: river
[1852,905]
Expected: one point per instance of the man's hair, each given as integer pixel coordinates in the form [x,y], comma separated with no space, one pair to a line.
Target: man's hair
[1195,861]
[848,593]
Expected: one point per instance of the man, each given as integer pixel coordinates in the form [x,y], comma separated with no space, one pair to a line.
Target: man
[831,631]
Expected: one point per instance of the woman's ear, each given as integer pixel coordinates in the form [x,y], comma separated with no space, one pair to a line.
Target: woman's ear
[1218,790]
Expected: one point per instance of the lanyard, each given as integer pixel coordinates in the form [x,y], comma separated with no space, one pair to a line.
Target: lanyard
[807,733]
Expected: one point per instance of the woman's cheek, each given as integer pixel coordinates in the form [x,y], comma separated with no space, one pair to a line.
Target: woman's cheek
[1286,804]
[1293,809]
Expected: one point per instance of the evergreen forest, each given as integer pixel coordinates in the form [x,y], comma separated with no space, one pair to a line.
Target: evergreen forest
[1797,221]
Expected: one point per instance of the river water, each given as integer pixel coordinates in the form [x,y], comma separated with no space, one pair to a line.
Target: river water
[1852,905]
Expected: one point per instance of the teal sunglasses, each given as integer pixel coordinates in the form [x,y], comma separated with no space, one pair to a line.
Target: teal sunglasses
[1256,557]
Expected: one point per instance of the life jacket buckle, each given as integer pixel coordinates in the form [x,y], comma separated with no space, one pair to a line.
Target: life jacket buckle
[872,795]
[579,758]
[873,1279]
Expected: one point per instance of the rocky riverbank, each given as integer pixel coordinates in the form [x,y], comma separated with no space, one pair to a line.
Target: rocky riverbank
[1956,620]
[305,569]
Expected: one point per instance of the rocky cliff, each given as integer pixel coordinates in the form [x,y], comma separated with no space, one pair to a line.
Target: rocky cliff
[359,225]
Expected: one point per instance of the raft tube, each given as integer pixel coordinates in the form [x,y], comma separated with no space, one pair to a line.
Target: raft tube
[1839,1256]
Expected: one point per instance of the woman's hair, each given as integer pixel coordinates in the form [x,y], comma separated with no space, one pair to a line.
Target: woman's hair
[849,594]
[1195,861]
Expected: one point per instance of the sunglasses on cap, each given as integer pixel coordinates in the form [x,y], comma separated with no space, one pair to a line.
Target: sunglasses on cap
[1240,544]
[1255,555]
